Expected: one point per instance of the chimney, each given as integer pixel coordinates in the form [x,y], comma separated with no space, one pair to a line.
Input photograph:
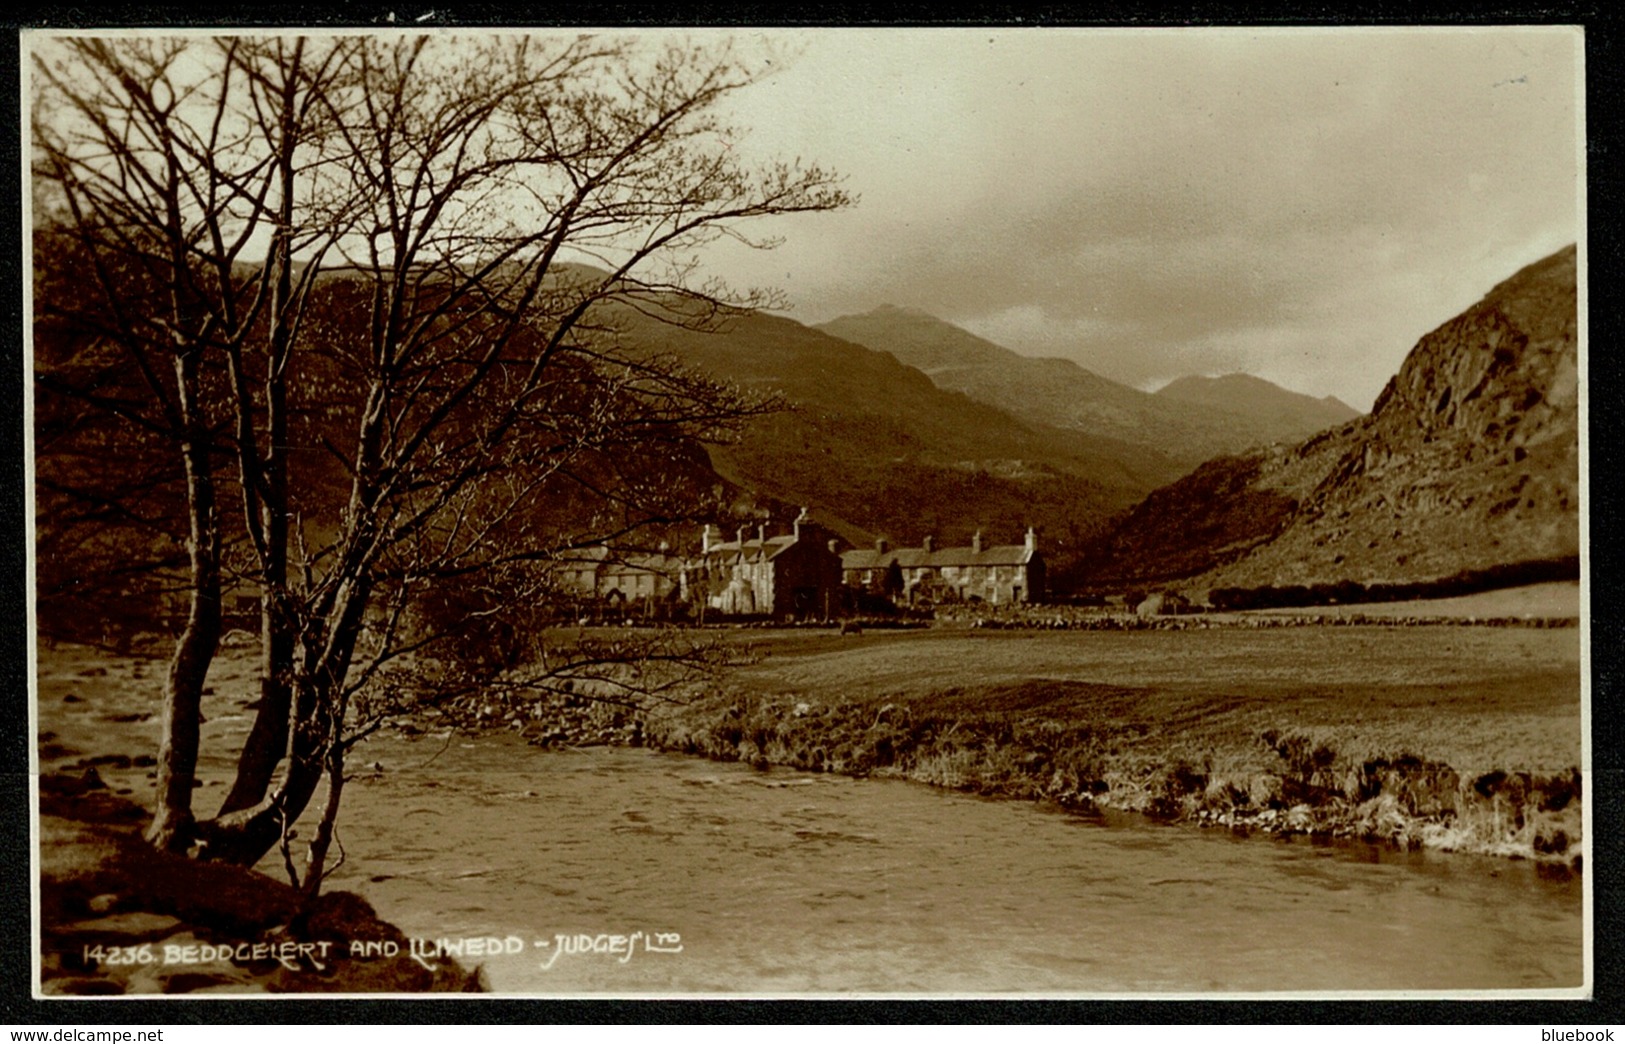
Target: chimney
[976,542]
[881,546]
[1032,540]
[740,534]
[926,544]
[707,539]
[761,534]
[796,526]
[834,546]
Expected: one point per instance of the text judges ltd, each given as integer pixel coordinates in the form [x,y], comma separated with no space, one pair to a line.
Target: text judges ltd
[622,947]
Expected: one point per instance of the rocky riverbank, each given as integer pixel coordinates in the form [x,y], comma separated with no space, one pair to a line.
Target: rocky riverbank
[1405,799]
[1295,785]
[1096,621]
[118,917]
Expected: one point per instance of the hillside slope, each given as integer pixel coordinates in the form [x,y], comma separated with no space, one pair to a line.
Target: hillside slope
[880,450]
[1469,460]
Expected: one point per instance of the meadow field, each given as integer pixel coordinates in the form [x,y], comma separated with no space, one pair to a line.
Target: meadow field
[1480,698]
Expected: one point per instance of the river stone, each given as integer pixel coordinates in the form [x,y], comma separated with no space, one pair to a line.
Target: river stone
[84,986]
[250,986]
[120,929]
[167,979]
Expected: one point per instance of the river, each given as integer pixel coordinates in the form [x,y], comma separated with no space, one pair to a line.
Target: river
[786,883]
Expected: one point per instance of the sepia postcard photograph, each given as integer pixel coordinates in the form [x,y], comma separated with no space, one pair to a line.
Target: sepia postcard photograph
[977,512]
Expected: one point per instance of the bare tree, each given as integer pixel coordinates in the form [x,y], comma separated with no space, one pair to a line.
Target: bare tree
[390,270]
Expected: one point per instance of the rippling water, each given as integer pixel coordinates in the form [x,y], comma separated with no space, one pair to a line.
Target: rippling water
[785,882]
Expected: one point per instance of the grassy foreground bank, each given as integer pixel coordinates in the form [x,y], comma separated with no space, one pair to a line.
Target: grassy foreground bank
[1459,738]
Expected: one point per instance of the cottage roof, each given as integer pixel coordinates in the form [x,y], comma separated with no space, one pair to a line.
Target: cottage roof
[867,558]
[669,565]
[999,555]
[773,546]
[582,557]
[608,561]
[937,558]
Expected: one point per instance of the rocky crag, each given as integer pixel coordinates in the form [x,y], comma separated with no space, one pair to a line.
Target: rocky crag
[1468,461]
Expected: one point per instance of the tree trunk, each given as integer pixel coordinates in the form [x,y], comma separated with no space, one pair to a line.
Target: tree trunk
[172,825]
[322,840]
[267,741]
[245,835]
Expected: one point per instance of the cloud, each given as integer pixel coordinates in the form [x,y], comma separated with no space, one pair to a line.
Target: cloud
[1302,202]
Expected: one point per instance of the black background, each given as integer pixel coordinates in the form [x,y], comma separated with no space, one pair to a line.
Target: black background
[1605,71]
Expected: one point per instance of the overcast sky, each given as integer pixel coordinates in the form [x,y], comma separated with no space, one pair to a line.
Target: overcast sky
[1302,205]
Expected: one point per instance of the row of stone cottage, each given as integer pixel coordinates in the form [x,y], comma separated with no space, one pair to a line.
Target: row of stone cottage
[805,573]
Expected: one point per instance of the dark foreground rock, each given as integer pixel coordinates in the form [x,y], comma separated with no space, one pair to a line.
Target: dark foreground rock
[118,917]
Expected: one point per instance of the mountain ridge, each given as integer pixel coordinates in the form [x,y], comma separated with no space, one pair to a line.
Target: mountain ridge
[1061,393]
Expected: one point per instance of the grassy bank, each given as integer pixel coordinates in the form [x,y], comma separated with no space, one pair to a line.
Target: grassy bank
[1462,738]
[1534,605]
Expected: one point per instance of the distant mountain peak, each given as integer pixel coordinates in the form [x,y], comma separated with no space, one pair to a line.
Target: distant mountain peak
[1248,394]
[1231,380]
[908,311]
[917,338]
